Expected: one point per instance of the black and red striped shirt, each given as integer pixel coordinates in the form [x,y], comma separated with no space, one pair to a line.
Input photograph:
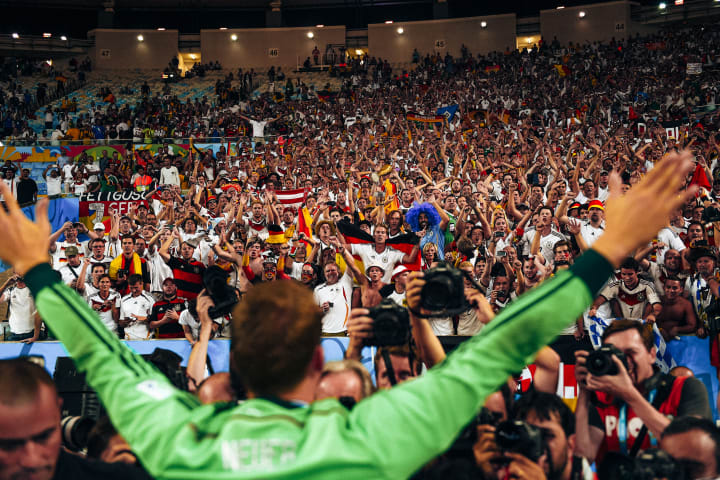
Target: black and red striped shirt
[171,329]
[188,276]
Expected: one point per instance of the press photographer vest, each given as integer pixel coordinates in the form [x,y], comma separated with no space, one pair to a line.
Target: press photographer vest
[622,426]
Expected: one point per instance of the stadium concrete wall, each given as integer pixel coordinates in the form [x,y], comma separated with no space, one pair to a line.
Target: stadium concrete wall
[600,22]
[442,36]
[121,49]
[263,47]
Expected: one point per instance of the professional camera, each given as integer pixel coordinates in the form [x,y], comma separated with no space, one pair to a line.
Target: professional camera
[391,324]
[652,464]
[600,362]
[443,289]
[75,431]
[710,215]
[657,464]
[466,439]
[222,294]
[520,437]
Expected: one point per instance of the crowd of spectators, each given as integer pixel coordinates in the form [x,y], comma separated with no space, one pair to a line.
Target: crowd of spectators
[510,187]
[20,101]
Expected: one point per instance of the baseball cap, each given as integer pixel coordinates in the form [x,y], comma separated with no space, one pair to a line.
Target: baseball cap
[71,251]
[99,226]
[169,279]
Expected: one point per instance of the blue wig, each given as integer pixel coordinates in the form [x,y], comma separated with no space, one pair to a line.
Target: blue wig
[413,215]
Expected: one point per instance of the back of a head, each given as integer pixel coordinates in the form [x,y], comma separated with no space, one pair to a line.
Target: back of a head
[216,388]
[275,331]
[688,423]
[20,381]
[695,427]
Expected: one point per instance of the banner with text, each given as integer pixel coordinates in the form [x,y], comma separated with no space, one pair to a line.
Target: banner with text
[96,207]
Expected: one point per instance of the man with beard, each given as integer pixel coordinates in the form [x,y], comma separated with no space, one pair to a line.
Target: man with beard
[555,420]
[677,316]
[636,396]
[594,226]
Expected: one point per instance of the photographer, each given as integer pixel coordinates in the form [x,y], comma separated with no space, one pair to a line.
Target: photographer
[556,423]
[274,434]
[632,398]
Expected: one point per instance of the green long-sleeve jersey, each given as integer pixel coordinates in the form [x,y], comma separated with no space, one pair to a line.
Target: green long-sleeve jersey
[389,435]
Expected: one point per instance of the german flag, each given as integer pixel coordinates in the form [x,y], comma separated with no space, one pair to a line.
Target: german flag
[416,117]
[403,243]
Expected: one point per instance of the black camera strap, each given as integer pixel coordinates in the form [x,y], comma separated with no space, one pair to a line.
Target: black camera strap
[663,392]
[389,367]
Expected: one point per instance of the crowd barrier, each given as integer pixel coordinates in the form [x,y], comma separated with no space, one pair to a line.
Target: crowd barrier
[689,351]
[218,351]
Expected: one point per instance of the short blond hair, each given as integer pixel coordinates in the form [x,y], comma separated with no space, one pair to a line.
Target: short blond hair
[350,365]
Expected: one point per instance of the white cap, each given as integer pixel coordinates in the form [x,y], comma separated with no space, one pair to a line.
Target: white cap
[98,226]
[398,270]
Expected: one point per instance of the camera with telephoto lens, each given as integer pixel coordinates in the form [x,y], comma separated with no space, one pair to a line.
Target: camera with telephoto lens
[391,324]
[600,362]
[222,294]
[520,437]
[74,432]
[444,289]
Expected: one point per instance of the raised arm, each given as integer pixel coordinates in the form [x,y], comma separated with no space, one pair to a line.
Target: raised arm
[198,356]
[54,237]
[164,251]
